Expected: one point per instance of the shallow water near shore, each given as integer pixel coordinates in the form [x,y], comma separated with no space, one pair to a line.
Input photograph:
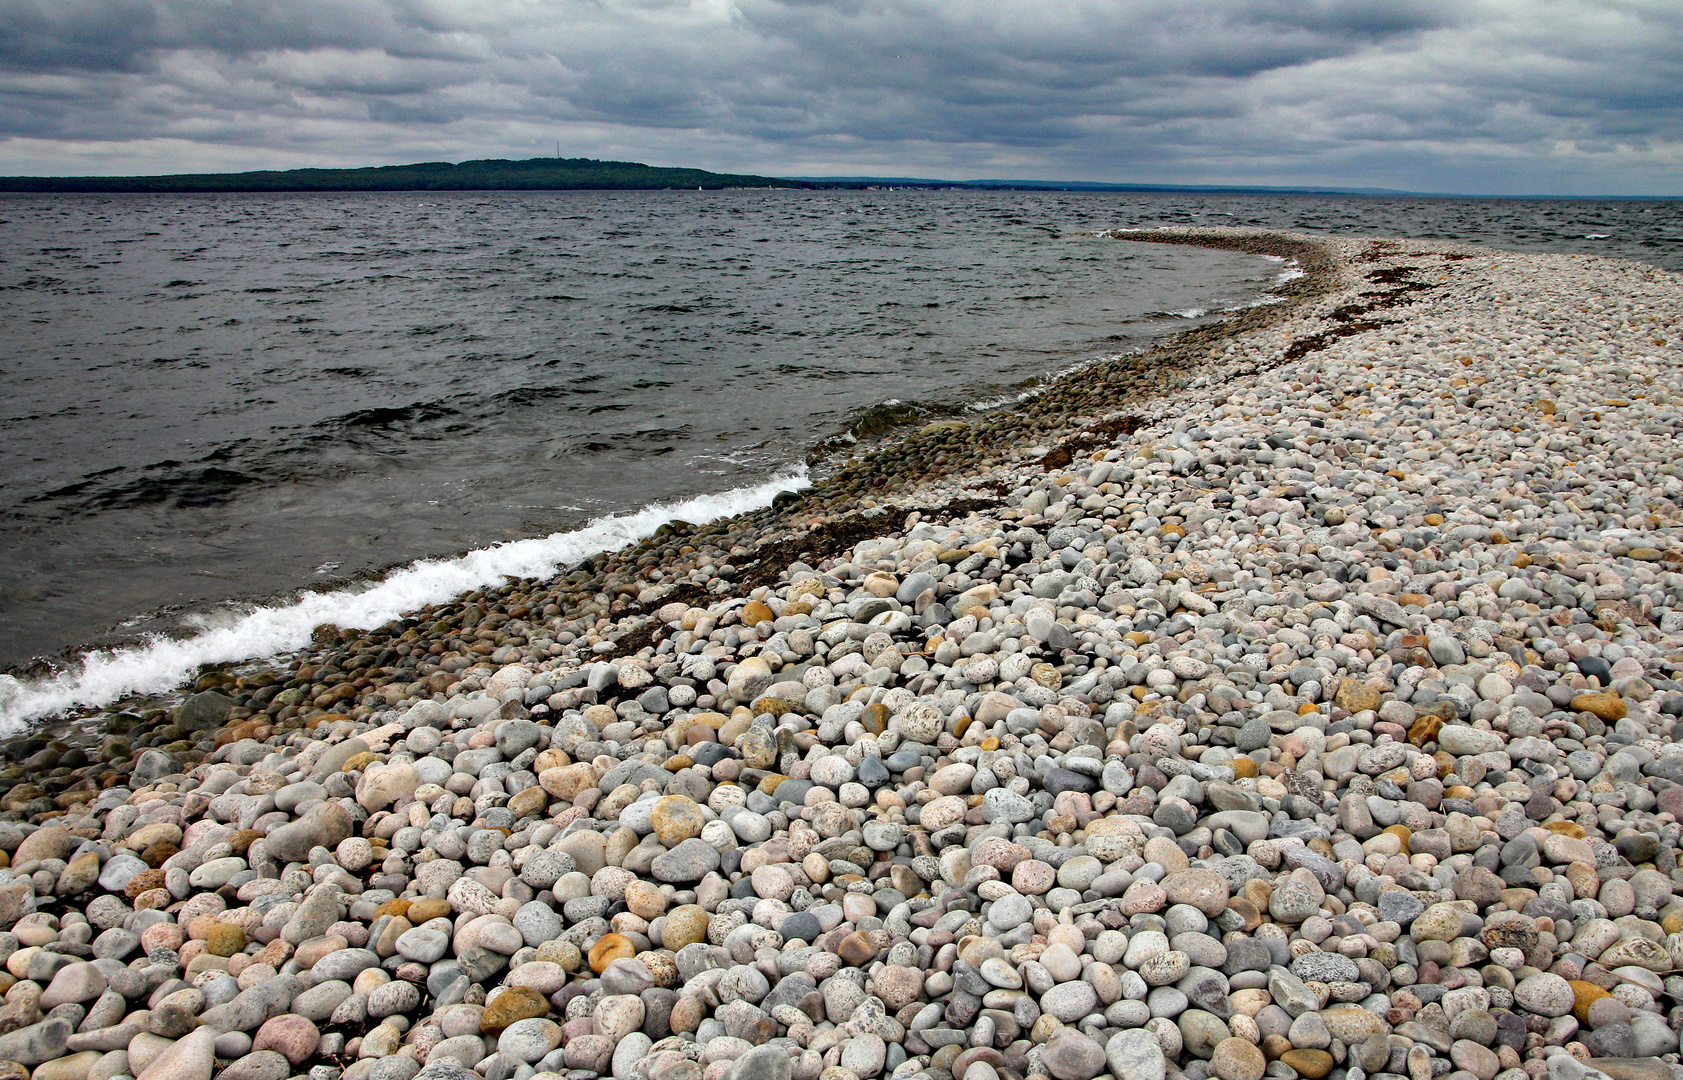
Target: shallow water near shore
[222,398]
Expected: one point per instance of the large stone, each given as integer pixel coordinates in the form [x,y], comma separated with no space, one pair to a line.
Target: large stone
[674,819]
[762,1063]
[382,785]
[1205,890]
[1608,705]
[77,982]
[1312,1064]
[1475,1058]
[529,1040]
[334,758]
[684,925]
[689,861]
[631,1052]
[272,997]
[1070,1055]
[1461,740]
[260,1065]
[1545,994]
[1352,1024]
[318,911]
[1237,1059]
[323,825]
[203,711]
[864,1055]
[1135,1054]
[292,1036]
[193,1057]
[319,1001]
[79,875]
[71,1067]
[37,1043]
[749,679]
[513,1004]
[153,765]
[1070,1001]
[48,842]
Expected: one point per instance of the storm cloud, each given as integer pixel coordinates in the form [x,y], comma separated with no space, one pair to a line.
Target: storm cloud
[1501,96]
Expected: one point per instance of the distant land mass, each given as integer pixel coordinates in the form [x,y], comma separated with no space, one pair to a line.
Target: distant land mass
[588,174]
[533,174]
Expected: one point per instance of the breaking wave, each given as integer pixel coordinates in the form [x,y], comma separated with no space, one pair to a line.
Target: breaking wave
[161,664]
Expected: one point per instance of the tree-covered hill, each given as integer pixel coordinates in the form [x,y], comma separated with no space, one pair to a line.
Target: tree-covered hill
[533,174]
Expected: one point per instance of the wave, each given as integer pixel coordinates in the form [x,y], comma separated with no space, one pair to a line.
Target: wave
[176,483]
[162,664]
[1291,269]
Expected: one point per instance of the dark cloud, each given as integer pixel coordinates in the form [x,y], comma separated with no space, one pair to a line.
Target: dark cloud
[1460,94]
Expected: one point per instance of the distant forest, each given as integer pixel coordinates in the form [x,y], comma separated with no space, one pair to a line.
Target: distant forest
[533,174]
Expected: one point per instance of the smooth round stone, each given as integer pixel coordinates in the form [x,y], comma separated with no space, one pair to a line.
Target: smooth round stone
[1135,1054]
[1237,1059]
[802,925]
[393,998]
[423,944]
[1010,911]
[864,1054]
[1545,994]
[1070,1001]
[999,972]
[1312,1064]
[1070,1055]
[872,772]
[1201,1032]
[1165,968]
[1080,872]
[1004,805]
[1061,962]
[631,1050]
[1166,1001]
[1477,1059]
[529,1040]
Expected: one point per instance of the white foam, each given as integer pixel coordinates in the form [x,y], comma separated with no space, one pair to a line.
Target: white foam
[1291,272]
[163,664]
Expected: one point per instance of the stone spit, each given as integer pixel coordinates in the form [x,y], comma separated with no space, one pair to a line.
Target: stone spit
[1319,719]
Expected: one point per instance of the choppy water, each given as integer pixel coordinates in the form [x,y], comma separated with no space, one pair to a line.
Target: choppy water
[216,399]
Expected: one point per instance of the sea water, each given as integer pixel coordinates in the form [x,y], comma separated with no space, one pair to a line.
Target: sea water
[229,418]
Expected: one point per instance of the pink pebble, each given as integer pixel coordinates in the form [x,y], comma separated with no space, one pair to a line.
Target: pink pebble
[161,936]
[354,933]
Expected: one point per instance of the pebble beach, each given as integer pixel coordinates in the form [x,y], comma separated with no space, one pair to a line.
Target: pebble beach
[1297,698]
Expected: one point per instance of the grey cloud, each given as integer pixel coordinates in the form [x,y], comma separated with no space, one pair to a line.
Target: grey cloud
[123,35]
[1409,93]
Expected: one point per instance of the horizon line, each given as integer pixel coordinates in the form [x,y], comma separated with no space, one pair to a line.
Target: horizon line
[982,183]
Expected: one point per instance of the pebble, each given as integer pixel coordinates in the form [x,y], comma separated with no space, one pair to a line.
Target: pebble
[1320,719]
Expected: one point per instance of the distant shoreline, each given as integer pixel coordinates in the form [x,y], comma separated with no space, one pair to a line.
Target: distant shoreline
[534,174]
[589,174]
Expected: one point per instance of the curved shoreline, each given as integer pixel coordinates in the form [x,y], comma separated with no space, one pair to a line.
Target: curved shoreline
[1300,695]
[842,485]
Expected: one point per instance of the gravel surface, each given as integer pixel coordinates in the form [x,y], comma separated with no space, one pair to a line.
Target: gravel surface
[1298,700]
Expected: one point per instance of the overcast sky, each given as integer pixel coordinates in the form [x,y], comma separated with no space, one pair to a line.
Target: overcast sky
[1497,96]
